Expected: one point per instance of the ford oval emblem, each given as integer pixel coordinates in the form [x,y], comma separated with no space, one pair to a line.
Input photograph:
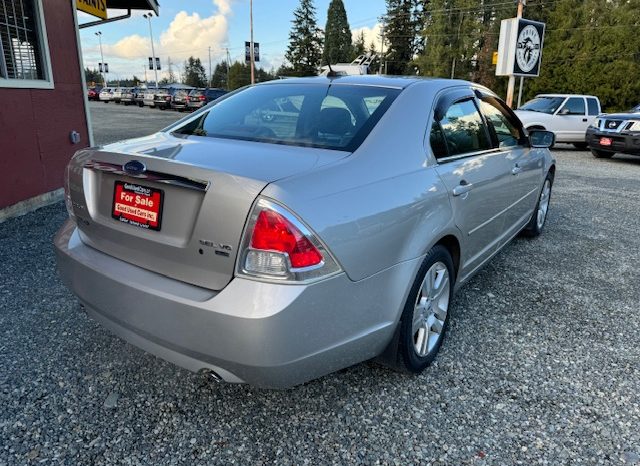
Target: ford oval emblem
[134,167]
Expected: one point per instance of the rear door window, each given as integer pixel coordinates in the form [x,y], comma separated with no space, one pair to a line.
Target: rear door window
[592,104]
[463,130]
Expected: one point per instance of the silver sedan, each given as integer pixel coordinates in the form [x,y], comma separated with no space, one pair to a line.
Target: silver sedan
[300,226]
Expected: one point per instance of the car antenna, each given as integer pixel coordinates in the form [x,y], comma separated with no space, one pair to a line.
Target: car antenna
[331,73]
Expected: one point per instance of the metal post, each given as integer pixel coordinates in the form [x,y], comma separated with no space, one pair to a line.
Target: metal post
[520,91]
[381,50]
[251,52]
[210,76]
[104,82]
[512,79]
[153,50]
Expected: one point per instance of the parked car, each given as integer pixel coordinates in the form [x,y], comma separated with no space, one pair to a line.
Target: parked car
[180,99]
[149,97]
[615,133]
[106,94]
[128,96]
[162,99]
[271,254]
[139,95]
[566,115]
[93,93]
[198,98]
[117,94]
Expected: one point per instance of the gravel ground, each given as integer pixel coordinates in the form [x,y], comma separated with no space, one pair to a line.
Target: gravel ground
[541,365]
[114,122]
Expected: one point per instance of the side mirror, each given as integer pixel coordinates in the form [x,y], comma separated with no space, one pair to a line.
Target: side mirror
[564,111]
[539,139]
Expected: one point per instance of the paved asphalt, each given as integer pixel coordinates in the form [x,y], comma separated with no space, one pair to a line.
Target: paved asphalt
[541,365]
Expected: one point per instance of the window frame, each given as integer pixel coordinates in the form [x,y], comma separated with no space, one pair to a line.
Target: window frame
[447,99]
[45,58]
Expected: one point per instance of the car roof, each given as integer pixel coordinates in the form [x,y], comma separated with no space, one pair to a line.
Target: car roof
[399,82]
[566,95]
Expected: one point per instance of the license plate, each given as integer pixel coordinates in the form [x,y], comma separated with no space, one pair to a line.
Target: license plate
[606,141]
[137,205]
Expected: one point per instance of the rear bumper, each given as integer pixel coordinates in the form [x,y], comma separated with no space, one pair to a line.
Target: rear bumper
[195,104]
[625,143]
[268,335]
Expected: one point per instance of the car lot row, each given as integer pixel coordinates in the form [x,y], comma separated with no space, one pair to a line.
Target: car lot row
[176,97]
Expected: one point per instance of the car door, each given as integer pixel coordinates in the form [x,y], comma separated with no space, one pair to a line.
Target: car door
[508,137]
[476,175]
[571,121]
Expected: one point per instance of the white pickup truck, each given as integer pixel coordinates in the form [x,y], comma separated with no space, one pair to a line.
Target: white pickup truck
[566,115]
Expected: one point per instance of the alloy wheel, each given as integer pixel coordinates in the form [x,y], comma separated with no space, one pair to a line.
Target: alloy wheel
[431,308]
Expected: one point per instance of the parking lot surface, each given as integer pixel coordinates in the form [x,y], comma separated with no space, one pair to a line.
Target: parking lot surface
[114,122]
[541,365]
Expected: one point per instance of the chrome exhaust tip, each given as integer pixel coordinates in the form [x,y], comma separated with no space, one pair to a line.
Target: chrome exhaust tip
[211,375]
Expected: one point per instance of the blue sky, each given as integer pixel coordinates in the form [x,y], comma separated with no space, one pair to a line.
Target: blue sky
[190,27]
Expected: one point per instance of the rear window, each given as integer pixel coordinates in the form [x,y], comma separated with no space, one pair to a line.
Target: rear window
[592,104]
[315,115]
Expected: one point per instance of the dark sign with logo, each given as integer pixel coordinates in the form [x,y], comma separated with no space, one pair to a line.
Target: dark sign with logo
[247,51]
[520,47]
[529,48]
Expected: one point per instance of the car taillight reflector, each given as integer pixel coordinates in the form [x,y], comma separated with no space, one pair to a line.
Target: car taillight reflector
[273,232]
[202,98]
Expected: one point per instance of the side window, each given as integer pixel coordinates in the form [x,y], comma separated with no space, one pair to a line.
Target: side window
[592,104]
[575,106]
[500,123]
[463,130]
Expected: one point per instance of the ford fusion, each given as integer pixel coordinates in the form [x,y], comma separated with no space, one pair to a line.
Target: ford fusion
[300,226]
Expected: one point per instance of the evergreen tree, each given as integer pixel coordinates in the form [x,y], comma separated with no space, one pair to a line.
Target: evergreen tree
[92,76]
[219,78]
[337,35]
[194,73]
[305,41]
[240,75]
[359,46]
[401,35]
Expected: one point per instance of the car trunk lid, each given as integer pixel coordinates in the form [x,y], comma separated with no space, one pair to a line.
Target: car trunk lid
[206,188]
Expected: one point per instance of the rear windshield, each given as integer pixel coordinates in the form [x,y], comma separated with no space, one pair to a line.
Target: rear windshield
[196,92]
[315,115]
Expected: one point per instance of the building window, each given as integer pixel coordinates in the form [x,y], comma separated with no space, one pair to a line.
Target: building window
[23,50]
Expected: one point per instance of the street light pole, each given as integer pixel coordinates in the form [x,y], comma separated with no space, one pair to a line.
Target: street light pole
[251,52]
[153,50]
[210,77]
[99,34]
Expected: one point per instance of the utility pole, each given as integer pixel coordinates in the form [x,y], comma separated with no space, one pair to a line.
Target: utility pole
[145,74]
[251,52]
[210,76]
[512,79]
[153,50]
[228,68]
[381,50]
[104,82]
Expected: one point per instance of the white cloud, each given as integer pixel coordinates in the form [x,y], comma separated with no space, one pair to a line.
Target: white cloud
[186,35]
[371,34]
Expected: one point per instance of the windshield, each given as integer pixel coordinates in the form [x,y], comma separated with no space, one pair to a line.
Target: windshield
[315,115]
[543,104]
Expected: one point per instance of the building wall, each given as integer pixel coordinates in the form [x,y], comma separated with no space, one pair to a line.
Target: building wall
[35,123]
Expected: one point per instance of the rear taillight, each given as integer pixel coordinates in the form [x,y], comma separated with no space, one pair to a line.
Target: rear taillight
[202,98]
[277,245]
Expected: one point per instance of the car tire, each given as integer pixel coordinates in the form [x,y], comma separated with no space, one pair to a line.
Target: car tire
[425,317]
[539,218]
[581,145]
[601,154]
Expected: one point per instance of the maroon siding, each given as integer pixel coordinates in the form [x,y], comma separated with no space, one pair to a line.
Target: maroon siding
[35,123]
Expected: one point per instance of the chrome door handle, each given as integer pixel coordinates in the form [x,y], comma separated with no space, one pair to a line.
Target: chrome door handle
[515,170]
[462,188]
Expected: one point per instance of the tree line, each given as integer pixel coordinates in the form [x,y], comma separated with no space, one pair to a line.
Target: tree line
[590,46]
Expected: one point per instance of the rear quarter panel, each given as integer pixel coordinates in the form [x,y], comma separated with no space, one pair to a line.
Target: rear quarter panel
[385,203]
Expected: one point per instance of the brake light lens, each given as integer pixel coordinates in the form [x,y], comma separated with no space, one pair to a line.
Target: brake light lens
[277,245]
[273,232]
[203,98]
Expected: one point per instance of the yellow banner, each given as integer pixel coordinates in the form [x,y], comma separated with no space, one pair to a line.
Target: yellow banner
[93,7]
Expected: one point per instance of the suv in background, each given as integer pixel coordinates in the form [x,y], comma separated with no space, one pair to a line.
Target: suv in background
[567,115]
[616,132]
[198,98]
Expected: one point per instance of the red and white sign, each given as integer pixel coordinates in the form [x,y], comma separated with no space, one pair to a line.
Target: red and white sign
[137,205]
